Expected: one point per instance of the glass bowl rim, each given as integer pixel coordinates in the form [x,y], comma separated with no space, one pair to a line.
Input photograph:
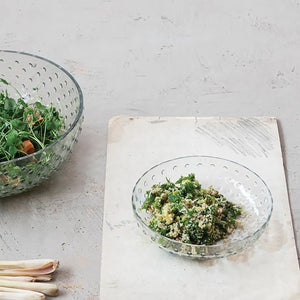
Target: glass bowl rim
[178,243]
[78,116]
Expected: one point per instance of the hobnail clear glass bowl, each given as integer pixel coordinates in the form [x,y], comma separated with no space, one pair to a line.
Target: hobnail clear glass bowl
[235,181]
[55,85]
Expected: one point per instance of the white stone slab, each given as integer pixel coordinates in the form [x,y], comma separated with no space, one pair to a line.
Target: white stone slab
[134,268]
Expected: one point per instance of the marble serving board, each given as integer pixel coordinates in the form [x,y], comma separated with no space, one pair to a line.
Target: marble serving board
[133,268]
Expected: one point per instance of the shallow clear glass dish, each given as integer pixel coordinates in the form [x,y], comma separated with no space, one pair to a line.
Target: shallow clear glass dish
[235,181]
[55,85]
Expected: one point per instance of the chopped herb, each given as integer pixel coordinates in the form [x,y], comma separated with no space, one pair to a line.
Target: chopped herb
[26,128]
[185,212]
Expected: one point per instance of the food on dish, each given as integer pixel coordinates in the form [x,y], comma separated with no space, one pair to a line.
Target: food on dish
[26,127]
[186,212]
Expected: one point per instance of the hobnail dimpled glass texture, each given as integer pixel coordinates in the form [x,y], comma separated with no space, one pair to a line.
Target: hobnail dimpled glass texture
[55,85]
[236,182]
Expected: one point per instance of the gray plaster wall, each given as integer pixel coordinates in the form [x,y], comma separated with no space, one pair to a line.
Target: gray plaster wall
[138,57]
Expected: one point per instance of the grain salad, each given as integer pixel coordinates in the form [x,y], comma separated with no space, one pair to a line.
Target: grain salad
[186,212]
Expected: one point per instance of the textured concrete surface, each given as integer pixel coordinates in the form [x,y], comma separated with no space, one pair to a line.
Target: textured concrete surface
[191,58]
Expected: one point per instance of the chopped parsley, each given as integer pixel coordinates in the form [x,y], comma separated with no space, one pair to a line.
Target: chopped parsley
[185,212]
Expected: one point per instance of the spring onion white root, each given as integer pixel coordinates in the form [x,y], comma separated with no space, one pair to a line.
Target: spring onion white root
[16,294]
[27,278]
[45,288]
[26,264]
[28,267]
[22,279]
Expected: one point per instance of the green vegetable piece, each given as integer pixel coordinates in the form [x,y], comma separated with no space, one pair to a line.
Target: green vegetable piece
[14,171]
[4,81]
[12,138]
[12,150]
[18,124]
[147,203]
[174,197]
[10,104]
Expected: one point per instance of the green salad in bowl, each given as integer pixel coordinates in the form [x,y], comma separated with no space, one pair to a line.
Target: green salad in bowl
[26,128]
[41,108]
